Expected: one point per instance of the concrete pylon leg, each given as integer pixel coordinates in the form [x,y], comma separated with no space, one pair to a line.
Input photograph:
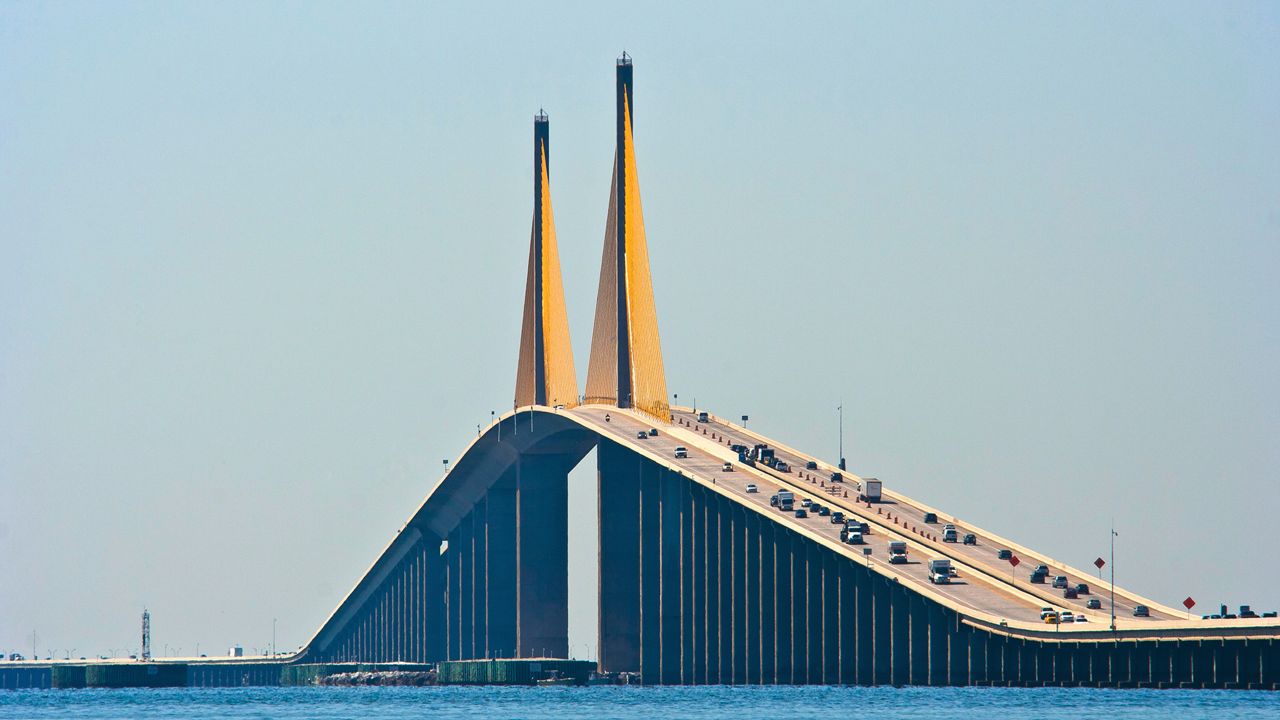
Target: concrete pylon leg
[650,574]
[618,473]
[542,557]
[500,566]
[669,519]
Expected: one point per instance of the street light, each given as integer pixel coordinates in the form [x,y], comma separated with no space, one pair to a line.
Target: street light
[1113,575]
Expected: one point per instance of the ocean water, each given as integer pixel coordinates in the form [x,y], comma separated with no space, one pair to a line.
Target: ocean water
[739,703]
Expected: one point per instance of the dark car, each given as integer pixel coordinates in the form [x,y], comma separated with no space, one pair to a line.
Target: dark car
[837,518]
[1004,554]
[1070,594]
[1042,569]
[653,432]
[1038,577]
[1141,611]
[931,517]
[811,465]
[1093,604]
[970,539]
[824,510]
[837,477]
[801,513]
[1082,588]
[642,435]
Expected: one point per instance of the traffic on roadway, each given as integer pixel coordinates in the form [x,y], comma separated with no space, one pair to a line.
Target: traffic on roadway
[971,581]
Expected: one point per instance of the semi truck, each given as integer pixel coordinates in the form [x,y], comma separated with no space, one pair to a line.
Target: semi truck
[940,572]
[870,490]
[898,552]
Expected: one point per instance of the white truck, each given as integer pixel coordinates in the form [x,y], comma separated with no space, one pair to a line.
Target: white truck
[940,572]
[783,500]
[870,490]
[898,552]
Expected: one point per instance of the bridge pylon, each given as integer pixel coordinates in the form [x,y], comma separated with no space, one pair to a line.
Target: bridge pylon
[545,374]
[626,356]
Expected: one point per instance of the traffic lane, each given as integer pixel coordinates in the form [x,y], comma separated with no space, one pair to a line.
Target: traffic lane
[970,554]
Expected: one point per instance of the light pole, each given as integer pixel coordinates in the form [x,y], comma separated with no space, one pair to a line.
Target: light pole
[840,409]
[273,637]
[1113,576]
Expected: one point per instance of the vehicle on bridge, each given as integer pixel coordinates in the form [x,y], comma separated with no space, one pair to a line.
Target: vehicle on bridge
[783,500]
[898,552]
[871,488]
[940,572]
[682,453]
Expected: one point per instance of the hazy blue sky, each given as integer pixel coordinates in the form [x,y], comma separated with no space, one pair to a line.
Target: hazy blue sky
[261,268]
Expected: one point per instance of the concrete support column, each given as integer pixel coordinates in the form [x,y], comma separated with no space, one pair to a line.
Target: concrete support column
[768,604]
[650,574]
[939,657]
[740,618]
[881,622]
[669,522]
[618,478]
[918,630]
[784,600]
[467,597]
[714,602]
[542,557]
[799,609]
[480,578]
[813,594]
[751,561]
[688,590]
[500,566]
[697,561]
[725,558]
[455,594]
[900,615]
[831,635]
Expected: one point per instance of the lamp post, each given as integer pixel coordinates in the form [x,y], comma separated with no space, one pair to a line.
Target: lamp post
[1113,577]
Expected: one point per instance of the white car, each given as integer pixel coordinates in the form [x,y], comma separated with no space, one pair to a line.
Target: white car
[1081,618]
[682,452]
[1066,617]
[751,488]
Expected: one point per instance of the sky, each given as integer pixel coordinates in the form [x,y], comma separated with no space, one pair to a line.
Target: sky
[262,266]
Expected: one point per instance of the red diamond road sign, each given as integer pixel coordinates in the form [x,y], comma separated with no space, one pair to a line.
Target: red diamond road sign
[1189,603]
[1013,560]
[1099,563]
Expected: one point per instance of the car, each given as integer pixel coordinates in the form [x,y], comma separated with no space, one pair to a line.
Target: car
[931,517]
[1004,554]
[855,538]
[751,488]
[1042,569]
[837,477]
[642,435]
[970,539]
[1093,604]
[1038,577]
[1045,611]
[1082,588]
[837,518]
[1049,618]
[811,465]
[1059,582]
[728,467]
[1066,617]
[1141,611]
[800,513]
[824,510]
[781,467]
[948,526]
[806,502]
[702,417]
[682,452]
[949,535]
[653,432]
[1070,593]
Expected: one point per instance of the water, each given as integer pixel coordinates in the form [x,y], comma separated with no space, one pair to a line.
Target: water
[739,703]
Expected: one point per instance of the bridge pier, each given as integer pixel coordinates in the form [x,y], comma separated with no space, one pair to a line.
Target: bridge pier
[542,556]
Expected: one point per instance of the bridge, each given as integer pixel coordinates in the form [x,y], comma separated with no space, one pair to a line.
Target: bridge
[702,578]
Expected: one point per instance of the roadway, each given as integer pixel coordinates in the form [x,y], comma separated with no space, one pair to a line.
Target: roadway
[973,589]
[982,556]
